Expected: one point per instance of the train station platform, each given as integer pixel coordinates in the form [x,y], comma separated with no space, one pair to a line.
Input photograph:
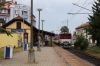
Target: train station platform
[49,56]
[70,58]
[46,57]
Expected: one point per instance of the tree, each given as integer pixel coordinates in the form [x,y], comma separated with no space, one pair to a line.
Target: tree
[2,30]
[2,4]
[94,24]
[64,29]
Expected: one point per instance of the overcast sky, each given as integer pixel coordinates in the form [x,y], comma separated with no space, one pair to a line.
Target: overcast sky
[54,12]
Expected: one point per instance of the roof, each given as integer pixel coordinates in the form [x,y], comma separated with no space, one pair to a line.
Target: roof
[7,4]
[48,33]
[82,25]
[34,15]
[18,18]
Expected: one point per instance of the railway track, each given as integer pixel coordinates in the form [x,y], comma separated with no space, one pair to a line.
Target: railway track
[85,56]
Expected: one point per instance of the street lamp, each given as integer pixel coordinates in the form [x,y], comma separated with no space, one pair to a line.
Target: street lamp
[31,52]
[42,32]
[38,47]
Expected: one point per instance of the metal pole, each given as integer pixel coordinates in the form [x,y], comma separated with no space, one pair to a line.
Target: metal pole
[31,46]
[23,33]
[67,25]
[39,24]
[67,22]
[31,55]
[42,32]
[51,40]
[38,47]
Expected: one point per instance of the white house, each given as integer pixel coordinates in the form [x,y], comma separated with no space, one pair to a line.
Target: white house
[80,30]
[11,9]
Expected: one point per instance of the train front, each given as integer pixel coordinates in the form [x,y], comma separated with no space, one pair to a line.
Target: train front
[65,39]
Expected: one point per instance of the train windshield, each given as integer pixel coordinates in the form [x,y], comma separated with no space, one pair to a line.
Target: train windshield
[65,36]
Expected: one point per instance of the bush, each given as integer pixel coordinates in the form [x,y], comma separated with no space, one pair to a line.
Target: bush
[84,44]
[81,43]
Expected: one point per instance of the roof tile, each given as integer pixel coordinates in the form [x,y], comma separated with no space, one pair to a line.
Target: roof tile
[83,25]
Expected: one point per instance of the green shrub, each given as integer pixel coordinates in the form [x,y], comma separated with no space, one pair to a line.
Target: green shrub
[81,43]
[84,44]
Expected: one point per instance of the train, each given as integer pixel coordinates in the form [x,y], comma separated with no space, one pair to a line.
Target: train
[64,39]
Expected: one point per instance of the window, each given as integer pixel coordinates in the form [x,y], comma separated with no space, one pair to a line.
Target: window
[25,19]
[65,36]
[0,24]
[18,26]
[24,13]
[16,11]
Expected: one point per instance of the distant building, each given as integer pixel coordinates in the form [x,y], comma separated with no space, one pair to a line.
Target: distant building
[11,10]
[80,30]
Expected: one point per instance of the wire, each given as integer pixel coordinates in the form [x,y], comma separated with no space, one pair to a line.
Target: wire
[77,12]
[85,6]
[81,9]
[89,3]
[73,8]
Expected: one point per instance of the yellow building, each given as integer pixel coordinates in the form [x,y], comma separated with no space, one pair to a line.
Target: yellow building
[8,40]
[18,25]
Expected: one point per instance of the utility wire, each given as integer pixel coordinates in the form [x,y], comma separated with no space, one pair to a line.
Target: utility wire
[81,7]
[87,5]
[73,8]
[78,11]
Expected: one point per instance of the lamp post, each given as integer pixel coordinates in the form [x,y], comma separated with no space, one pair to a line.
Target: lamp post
[42,32]
[31,52]
[38,47]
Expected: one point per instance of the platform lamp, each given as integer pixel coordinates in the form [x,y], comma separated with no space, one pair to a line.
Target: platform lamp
[38,46]
[42,32]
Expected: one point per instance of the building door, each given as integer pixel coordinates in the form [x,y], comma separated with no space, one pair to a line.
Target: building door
[25,38]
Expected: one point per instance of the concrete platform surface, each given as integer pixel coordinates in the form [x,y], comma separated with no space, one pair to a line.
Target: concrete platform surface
[46,57]
[71,58]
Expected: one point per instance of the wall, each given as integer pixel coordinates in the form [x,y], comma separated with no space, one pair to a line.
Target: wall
[8,40]
[23,25]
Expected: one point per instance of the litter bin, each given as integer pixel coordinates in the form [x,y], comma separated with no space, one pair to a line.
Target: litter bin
[25,47]
[8,50]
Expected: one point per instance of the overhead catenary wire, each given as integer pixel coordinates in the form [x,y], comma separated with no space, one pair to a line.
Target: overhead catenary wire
[81,9]
[78,11]
[73,7]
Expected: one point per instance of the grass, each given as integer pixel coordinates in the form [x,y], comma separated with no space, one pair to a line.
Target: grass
[94,51]
[1,52]
[15,50]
